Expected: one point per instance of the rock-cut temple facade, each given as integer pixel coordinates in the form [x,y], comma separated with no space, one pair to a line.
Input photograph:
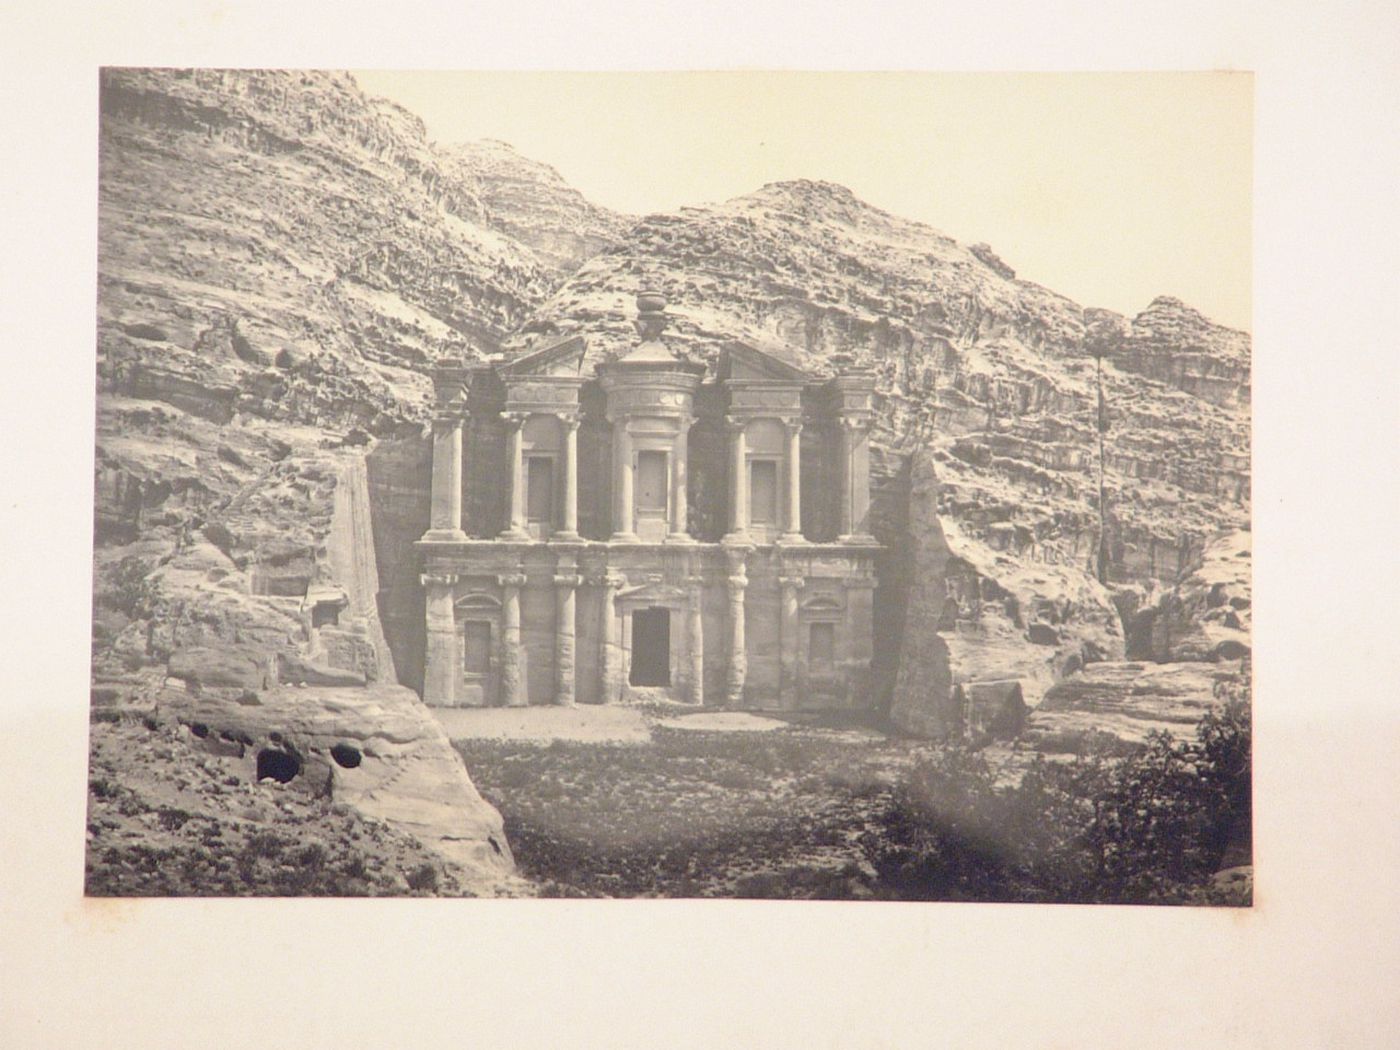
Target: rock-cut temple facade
[649,530]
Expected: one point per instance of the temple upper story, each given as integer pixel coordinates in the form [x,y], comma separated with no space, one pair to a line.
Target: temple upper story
[650,449]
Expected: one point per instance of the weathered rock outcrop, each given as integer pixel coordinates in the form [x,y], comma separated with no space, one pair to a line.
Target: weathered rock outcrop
[376,749]
[529,202]
[1123,702]
[285,677]
[1187,649]
[1206,616]
[975,616]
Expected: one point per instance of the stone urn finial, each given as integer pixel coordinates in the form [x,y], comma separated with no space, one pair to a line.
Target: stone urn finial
[651,314]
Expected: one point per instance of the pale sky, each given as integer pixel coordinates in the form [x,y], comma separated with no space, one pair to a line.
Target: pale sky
[1108,188]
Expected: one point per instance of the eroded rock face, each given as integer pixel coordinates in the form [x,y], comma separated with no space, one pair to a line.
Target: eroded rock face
[376,749]
[1187,647]
[1207,615]
[1124,702]
[976,615]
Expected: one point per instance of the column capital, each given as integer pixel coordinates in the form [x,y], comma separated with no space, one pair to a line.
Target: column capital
[515,419]
[855,422]
[735,424]
[792,424]
[438,579]
[795,583]
[567,580]
[511,579]
[569,418]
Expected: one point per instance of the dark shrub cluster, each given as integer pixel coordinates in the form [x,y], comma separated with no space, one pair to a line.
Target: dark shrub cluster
[1149,828]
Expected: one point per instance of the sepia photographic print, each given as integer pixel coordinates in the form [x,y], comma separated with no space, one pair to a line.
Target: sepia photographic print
[714,526]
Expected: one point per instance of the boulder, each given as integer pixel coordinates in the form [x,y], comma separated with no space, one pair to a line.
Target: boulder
[295,669]
[991,710]
[376,749]
[223,668]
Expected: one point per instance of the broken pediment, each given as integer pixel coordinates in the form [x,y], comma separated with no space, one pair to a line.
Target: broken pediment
[743,362]
[563,358]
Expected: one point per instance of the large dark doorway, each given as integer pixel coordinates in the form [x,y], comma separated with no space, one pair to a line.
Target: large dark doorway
[651,647]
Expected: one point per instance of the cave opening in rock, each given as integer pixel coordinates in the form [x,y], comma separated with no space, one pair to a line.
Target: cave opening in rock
[278,765]
[346,756]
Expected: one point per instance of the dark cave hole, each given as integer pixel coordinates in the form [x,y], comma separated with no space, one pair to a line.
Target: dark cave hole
[199,729]
[346,756]
[278,765]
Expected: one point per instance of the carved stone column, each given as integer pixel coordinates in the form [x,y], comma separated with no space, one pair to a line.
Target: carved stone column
[793,532]
[564,591]
[442,663]
[612,642]
[790,641]
[860,480]
[696,611]
[847,478]
[739,480]
[570,530]
[624,508]
[445,522]
[855,479]
[516,530]
[679,531]
[738,652]
[512,683]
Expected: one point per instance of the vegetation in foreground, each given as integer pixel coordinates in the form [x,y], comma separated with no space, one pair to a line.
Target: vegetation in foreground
[801,815]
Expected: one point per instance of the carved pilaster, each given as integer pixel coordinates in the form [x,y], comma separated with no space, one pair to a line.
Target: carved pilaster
[793,531]
[445,520]
[695,594]
[570,425]
[612,641]
[680,456]
[855,478]
[512,680]
[737,583]
[441,658]
[564,591]
[624,508]
[515,422]
[738,477]
[789,640]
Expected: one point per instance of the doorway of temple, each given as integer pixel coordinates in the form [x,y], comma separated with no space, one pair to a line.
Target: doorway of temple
[651,647]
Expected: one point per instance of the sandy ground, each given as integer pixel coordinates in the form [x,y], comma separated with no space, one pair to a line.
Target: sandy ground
[596,724]
[724,722]
[615,724]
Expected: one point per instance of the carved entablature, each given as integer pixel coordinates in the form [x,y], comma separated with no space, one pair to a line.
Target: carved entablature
[852,394]
[652,593]
[545,380]
[450,383]
[650,393]
[477,601]
[822,603]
